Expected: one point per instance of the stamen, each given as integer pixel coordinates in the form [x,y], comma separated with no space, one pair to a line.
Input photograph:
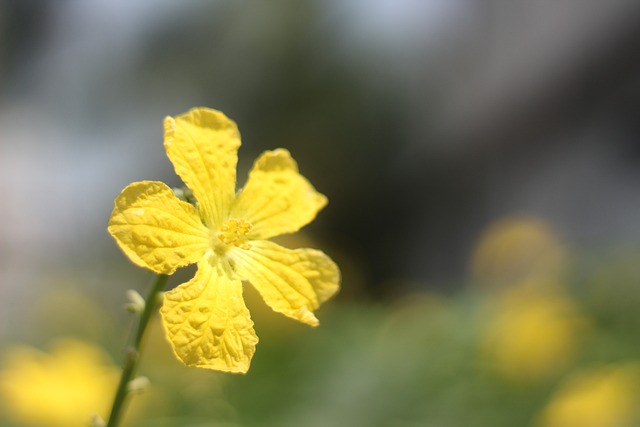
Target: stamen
[234,233]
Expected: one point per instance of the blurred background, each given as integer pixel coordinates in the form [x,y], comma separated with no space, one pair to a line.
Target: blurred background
[482,164]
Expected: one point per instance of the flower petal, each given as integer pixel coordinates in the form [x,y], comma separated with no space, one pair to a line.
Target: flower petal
[155,229]
[202,145]
[292,282]
[277,199]
[208,324]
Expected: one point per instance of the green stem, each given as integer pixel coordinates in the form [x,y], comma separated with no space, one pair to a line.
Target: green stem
[132,355]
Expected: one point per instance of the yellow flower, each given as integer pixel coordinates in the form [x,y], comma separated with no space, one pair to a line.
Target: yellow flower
[533,334]
[517,249]
[602,397]
[206,320]
[62,389]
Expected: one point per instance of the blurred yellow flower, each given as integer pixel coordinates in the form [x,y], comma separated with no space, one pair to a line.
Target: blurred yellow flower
[63,388]
[515,250]
[226,234]
[532,334]
[603,397]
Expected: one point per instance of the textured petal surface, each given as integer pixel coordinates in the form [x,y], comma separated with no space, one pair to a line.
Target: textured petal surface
[155,229]
[292,282]
[207,322]
[277,199]
[203,146]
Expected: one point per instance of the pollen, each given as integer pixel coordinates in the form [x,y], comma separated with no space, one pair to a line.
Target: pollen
[234,233]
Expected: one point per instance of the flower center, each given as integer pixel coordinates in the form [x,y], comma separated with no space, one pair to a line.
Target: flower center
[234,232]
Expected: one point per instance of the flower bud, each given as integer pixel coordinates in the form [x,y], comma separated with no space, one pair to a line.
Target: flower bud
[136,302]
[97,421]
[138,385]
